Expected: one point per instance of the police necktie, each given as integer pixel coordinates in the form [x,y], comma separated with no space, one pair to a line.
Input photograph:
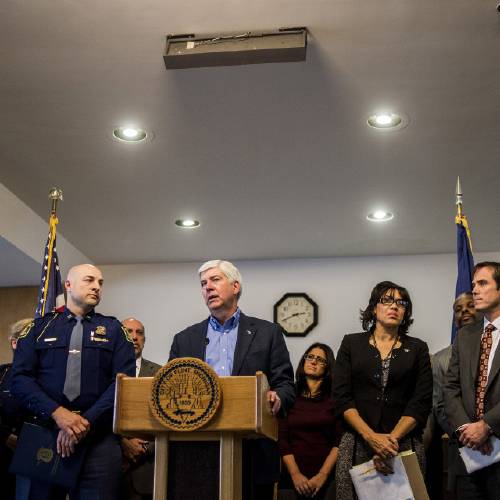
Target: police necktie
[482,379]
[74,366]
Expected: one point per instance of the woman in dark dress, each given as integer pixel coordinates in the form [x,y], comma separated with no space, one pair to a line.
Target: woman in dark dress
[310,433]
[382,387]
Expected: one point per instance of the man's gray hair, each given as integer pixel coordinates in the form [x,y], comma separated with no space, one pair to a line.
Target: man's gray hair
[230,270]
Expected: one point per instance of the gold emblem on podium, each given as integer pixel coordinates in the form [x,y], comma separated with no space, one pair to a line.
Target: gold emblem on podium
[185,395]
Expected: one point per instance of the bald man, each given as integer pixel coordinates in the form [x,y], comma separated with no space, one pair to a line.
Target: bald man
[64,374]
[138,453]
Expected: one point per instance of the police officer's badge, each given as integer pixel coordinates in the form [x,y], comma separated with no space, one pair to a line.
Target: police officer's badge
[185,394]
[100,330]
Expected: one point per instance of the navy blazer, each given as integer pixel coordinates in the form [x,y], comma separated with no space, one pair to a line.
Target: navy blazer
[357,382]
[260,346]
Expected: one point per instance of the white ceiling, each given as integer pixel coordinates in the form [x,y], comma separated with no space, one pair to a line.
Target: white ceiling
[276,159]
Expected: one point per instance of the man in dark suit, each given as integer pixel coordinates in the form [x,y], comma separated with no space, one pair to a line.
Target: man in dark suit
[472,388]
[235,344]
[464,313]
[138,453]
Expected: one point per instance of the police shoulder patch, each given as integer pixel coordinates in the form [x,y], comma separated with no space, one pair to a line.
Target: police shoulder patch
[26,330]
[127,334]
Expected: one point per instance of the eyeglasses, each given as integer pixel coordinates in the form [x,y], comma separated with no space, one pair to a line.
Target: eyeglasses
[388,301]
[313,357]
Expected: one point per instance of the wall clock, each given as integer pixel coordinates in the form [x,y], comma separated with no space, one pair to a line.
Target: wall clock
[296,313]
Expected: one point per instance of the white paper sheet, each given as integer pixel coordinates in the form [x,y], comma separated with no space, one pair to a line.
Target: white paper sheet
[475,460]
[370,484]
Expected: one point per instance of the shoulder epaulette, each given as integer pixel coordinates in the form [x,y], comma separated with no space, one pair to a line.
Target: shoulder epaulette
[26,330]
[48,319]
[127,334]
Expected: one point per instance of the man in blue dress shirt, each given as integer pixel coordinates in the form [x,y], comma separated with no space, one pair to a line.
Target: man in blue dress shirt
[236,344]
[64,374]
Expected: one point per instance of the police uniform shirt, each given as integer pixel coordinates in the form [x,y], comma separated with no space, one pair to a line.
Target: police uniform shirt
[39,369]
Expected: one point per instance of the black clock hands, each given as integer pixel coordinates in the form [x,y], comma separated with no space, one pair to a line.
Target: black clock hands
[293,315]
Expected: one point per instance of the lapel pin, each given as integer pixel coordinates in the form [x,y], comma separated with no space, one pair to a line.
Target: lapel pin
[407,350]
[249,332]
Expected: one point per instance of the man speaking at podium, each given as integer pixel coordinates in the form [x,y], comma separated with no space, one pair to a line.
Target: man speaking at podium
[235,344]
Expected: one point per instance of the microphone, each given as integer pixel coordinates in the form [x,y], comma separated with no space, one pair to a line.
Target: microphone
[207,341]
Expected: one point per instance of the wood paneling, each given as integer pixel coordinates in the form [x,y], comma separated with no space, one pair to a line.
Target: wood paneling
[15,303]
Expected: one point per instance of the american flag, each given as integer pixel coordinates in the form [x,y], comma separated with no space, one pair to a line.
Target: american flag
[51,294]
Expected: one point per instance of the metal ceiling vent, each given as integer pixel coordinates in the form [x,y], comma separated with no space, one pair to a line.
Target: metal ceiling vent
[191,51]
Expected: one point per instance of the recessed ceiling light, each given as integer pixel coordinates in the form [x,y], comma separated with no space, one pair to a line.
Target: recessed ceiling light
[385,120]
[380,216]
[187,223]
[129,134]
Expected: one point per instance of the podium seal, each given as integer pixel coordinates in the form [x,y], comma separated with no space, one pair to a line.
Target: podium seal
[185,394]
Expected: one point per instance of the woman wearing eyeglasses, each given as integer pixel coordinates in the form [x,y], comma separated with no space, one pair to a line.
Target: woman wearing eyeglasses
[382,387]
[310,433]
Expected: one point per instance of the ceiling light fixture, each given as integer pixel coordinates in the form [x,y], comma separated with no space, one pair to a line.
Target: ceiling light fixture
[380,216]
[386,121]
[187,223]
[129,134]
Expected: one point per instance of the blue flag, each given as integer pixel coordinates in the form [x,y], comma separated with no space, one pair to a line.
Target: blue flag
[465,262]
[51,294]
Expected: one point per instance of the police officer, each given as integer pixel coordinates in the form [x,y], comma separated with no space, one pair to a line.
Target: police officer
[64,373]
[11,417]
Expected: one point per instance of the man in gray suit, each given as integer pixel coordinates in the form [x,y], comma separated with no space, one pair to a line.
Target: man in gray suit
[138,454]
[472,388]
[464,313]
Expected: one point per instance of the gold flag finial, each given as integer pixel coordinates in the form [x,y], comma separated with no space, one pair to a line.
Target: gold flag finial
[458,193]
[55,195]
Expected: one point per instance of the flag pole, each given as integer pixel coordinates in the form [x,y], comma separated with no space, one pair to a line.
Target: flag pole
[465,259]
[459,195]
[461,218]
[55,195]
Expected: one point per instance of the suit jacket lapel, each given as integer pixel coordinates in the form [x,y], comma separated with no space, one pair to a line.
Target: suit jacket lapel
[495,367]
[147,368]
[199,340]
[474,347]
[246,334]
[143,372]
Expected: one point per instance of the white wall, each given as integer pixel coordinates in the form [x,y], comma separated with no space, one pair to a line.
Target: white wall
[166,297]
[27,231]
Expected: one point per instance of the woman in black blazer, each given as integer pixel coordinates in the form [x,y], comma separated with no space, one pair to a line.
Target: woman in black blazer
[382,387]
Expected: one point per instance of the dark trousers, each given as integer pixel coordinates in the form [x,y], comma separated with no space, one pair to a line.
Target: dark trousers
[98,480]
[481,485]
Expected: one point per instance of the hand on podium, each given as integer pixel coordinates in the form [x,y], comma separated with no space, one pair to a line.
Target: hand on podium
[274,402]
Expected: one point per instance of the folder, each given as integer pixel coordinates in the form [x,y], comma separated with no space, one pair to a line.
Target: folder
[407,482]
[36,457]
[475,460]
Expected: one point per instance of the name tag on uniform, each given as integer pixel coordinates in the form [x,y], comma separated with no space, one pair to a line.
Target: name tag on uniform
[51,339]
[98,339]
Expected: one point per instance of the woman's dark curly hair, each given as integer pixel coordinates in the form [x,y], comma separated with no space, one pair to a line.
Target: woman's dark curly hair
[368,317]
[327,383]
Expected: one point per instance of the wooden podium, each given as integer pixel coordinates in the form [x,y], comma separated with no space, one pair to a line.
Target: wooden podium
[243,412]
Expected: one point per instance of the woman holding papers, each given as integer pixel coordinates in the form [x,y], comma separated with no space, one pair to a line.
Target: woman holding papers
[382,387]
[310,433]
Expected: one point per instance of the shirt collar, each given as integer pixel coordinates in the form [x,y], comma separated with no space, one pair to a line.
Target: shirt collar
[68,315]
[230,324]
[495,323]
